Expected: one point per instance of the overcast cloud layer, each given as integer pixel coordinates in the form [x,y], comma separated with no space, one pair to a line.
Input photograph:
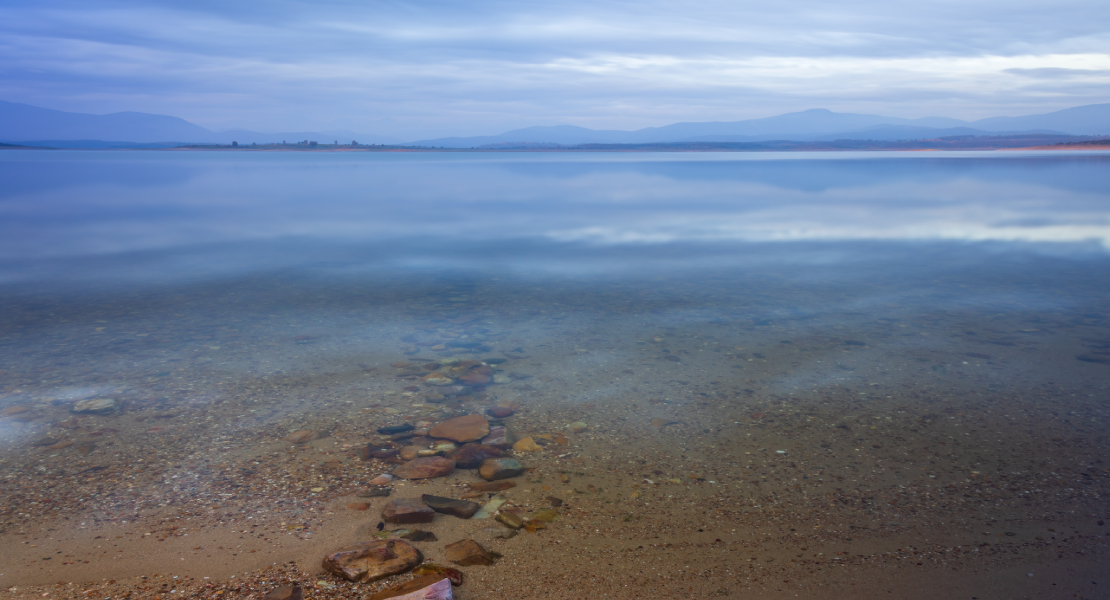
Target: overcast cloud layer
[430,68]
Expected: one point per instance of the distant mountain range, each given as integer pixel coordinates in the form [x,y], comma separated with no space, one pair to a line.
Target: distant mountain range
[32,126]
[817,124]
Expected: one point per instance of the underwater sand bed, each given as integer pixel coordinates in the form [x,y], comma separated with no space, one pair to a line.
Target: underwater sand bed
[696,446]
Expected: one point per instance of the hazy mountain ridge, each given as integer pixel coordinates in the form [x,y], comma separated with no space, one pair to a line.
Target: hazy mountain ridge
[814,124]
[23,122]
[30,125]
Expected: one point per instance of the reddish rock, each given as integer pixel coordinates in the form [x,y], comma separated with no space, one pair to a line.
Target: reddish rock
[500,412]
[493,469]
[499,437]
[470,456]
[358,506]
[462,429]
[425,468]
[406,511]
[366,562]
[468,553]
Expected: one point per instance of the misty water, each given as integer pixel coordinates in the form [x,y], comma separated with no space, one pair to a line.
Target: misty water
[903,357]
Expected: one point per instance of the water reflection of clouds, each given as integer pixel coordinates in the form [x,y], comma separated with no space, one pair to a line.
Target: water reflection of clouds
[81,205]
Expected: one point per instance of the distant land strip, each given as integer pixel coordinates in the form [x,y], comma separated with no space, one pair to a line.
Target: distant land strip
[959,142]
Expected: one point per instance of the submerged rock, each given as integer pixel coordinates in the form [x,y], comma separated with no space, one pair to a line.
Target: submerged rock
[470,456]
[407,510]
[425,587]
[285,592]
[468,553]
[500,468]
[499,437]
[366,562]
[469,428]
[455,575]
[463,509]
[425,468]
[96,406]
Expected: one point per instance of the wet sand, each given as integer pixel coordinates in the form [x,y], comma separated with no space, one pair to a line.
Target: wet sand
[766,439]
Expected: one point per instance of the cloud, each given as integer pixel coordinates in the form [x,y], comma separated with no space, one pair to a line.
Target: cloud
[1058,73]
[438,68]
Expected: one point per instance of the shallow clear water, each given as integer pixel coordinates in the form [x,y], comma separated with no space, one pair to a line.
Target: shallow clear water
[804,333]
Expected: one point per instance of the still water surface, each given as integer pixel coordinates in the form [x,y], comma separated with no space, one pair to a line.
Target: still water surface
[897,359]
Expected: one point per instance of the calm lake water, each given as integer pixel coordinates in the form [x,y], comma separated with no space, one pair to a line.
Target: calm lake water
[892,355]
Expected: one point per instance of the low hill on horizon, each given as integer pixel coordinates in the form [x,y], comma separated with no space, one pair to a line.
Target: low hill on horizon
[30,125]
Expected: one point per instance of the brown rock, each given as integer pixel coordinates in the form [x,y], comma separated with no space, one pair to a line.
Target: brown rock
[527,445]
[454,575]
[511,520]
[462,509]
[407,510]
[462,429]
[285,592]
[499,437]
[401,364]
[491,486]
[419,535]
[383,479]
[408,587]
[425,468]
[534,526]
[410,452]
[302,436]
[493,469]
[440,590]
[469,456]
[358,506]
[366,562]
[500,412]
[468,553]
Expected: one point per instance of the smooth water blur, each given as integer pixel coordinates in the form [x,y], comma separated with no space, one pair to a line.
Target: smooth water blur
[523,209]
[910,320]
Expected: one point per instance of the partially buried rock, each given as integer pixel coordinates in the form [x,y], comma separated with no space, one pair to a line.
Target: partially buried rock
[462,429]
[425,468]
[395,429]
[375,493]
[366,562]
[425,587]
[427,568]
[491,486]
[302,436]
[285,592]
[383,479]
[500,468]
[407,510]
[469,456]
[420,535]
[96,406]
[500,412]
[358,506]
[468,553]
[499,437]
[420,586]
[511,520]
[527,445]
[463,509]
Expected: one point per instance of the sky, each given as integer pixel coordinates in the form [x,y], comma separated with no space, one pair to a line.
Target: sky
[432,68]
